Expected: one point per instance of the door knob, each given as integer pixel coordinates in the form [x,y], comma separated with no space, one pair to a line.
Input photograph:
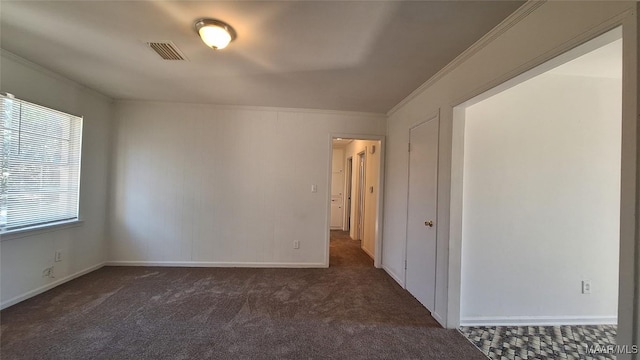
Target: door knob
[428,223]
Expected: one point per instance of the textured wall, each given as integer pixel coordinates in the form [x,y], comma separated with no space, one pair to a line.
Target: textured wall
[541,207]
[207,185]
[25,256]
[536,35]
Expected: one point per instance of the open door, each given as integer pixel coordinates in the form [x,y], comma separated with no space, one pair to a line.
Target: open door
[361,193]
[348,174]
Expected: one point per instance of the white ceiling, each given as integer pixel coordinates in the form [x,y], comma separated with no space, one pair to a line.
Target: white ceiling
[341,142]
[351,55]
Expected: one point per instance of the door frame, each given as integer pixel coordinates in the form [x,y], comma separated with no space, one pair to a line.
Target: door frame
[435,116]
[331,194]
[628,271]
[348,188]
[377,259]
[362,181]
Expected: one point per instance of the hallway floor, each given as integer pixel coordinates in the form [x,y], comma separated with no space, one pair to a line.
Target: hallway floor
[346,252]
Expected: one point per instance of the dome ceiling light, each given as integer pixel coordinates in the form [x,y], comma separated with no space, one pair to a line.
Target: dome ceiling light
[215,33]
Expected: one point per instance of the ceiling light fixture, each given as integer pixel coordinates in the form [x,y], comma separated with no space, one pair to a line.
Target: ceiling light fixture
[215,33]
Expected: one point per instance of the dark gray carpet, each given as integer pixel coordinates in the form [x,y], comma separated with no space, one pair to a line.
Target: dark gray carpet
[345,252]
[349,311]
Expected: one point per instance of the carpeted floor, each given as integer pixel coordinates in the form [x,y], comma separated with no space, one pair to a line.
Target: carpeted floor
[345,252]
[349,311]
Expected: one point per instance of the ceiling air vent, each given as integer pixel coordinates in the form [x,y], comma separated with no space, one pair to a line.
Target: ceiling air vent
[166,50]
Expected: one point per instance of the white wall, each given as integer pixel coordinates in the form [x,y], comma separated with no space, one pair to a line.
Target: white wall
[24,257]
[533,35]
[372,179]
[541,206]
[208,185]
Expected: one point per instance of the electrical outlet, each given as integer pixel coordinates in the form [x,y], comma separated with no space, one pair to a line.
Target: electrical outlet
[586,286]
[296,244]
[58,256]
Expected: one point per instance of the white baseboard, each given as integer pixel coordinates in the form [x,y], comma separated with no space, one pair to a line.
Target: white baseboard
[49,286]
[393,275]
[368,252]
[539,320]
[216,264]
[439,319]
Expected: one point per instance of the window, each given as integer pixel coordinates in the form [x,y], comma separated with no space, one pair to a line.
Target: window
[40,180]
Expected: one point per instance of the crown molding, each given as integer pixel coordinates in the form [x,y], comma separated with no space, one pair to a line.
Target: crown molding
[522,12]
[41,69]
[260,108]
[9,55]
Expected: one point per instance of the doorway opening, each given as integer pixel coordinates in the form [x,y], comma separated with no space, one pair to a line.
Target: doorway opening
[355,200]
[537,166]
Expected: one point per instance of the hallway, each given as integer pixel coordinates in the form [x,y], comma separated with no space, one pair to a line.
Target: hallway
[346,252]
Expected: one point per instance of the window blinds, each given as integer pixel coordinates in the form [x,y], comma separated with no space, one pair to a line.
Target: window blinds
[41,150]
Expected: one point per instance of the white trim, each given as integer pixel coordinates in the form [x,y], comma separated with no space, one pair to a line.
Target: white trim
[539,61]
[368,252]
[73,83]
[43,70]
[377,258]
[393,275]
[216,264]
[438,318]
[49,286]
[513,19]
[262,108]
[39,229]
[623,19]
[327,220]
[346,199]
[538,320]
[565,57]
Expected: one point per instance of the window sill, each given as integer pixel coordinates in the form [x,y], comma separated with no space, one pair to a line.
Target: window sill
[39,229]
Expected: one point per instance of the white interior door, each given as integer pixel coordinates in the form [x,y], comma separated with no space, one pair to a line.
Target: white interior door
[361,193]
[337,187]
[337,215]
[348,182]
[421,225]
